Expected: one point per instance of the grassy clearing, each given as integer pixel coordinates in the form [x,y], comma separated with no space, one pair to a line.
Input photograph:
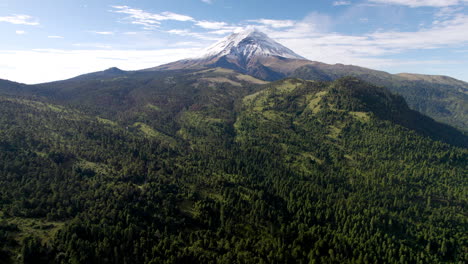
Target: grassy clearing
[99,168]
[153,107]
[150,132]
[194,119]
[274,116]
[250,79]
[220,80]
[40,228]
[314,103]
[258,101]
[334,132]
[251,97]
[106,121]
[41,154]
[38,105]
[187,207]
[215,70]
[312,157]
[361,116]
[212,195]
[287,86]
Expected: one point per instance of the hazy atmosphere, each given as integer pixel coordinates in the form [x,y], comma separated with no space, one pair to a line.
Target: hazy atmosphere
[52,39]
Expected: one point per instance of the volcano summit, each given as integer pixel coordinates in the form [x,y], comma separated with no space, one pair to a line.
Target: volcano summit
[250,52]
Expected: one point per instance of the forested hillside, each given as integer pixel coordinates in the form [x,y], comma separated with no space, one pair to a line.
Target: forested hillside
[217,167]
[440,97]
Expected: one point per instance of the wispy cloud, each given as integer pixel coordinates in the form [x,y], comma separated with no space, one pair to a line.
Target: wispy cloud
[151,21]
[217,27]
[211,25]
[93,45]
[188,33]
[420,3]
[370,49]
[274,23]
[226,30]
[147,19]
[441,34]
[447,12]
[55,37]
[20,32]
[341,3]
[19,20]
[102,32]
[174,16]
[188,44]
[207,1]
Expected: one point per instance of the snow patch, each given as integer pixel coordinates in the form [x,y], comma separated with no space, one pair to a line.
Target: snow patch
[248,44]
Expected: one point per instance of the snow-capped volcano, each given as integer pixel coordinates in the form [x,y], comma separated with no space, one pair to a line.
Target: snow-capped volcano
[248,44]
[250,52]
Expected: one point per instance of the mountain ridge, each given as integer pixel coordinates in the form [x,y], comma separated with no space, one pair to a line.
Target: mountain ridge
[442,98]
[250,52]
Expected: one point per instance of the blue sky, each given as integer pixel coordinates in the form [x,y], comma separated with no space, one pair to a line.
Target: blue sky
[49,40]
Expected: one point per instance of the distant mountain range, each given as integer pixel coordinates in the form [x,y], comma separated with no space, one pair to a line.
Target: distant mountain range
[253,53]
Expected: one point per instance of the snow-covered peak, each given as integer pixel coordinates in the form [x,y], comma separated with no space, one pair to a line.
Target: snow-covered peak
[247,44]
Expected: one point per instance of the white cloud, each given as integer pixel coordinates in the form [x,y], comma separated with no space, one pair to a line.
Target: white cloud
[20,32]
[55,37]
[207,1]
[152,21]
[312,25]
[92,45]
[190,44]
[274,23]
[341,3]
[147,19]
[188,33]
[38,66]
[447,12]
[19,20]
[420,3]
[102,32]
[307,39]
[211,25]
[445,33]
[227,30]
[174,16]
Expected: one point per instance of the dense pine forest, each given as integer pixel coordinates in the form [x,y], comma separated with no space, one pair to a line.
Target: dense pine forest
[217,167]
